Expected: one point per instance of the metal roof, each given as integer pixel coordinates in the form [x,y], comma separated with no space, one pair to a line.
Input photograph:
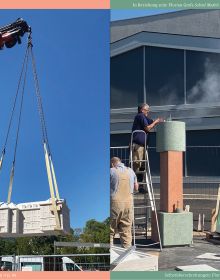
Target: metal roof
[204,23]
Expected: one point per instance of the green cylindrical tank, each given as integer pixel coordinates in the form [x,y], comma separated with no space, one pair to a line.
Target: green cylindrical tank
[171,136]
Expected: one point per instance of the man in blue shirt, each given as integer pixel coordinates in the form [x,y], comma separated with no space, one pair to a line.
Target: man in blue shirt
[141,139]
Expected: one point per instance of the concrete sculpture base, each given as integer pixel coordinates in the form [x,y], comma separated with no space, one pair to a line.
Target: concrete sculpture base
[176,229]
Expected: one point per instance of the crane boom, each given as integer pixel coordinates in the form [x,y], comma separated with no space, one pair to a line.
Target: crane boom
[12,33]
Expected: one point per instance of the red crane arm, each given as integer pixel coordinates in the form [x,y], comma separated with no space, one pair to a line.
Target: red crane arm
[12,33]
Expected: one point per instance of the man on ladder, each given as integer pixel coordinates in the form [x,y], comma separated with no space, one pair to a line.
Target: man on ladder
[123,182]
[140,164]
[144,123]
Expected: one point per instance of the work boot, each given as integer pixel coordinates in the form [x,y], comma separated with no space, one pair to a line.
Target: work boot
[126,246]
[140,177]
[142,190]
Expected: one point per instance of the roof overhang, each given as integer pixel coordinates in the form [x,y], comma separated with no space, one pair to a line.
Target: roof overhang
[166,41]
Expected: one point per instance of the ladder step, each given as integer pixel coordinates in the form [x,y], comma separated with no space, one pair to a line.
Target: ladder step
[139,160]
[140,218]
[141,207]
[148,245]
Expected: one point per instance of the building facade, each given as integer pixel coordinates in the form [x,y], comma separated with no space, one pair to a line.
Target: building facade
[172,62]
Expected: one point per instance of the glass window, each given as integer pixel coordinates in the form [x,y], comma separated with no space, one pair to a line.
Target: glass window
[164,76]
[127,79]
[203,153]
[35,266]
[7,265]
[202,77]
[203,161]
[123,140]
[154,162]
[209,137]
[152,139]
[118,140]
[72,267]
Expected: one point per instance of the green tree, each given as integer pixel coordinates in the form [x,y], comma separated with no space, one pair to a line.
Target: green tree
[94,232]
[43,245]
[7,246]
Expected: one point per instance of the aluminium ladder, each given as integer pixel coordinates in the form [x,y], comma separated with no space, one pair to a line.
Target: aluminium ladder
[148,198]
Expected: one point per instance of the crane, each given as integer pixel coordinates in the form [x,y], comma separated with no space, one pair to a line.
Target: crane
[11,34]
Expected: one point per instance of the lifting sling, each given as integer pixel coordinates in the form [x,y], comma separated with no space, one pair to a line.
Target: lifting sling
[53,187]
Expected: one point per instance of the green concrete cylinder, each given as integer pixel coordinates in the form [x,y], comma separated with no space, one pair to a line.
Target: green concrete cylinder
[171,136]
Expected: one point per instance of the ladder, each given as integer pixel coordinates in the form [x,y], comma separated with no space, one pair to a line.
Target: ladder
[148,205]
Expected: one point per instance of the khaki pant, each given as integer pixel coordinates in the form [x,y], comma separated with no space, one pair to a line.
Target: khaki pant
[138,154]
[122,211]
[121,222]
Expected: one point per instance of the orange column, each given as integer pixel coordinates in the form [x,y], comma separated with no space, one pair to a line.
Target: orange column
[171,181]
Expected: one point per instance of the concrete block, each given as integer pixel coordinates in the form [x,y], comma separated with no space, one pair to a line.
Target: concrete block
[4,219]
[171,136]
[176,228]
[135,261]
[32,219]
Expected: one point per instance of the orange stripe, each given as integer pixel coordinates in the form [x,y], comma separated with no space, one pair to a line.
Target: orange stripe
[55,4]
[92,275]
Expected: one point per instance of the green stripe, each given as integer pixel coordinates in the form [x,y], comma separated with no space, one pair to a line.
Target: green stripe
[165,4]
[172,275]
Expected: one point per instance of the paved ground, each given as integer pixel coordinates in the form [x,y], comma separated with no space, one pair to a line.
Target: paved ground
[171,257]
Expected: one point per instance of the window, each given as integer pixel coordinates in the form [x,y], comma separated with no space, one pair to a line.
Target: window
[203,161]
[7,265]
[127,79]
[118,140]
[164,76]
[154,161]
[202,77]
[124,139]
[123,152]
[72,267]
[203,137]
[34,266]
[203,153]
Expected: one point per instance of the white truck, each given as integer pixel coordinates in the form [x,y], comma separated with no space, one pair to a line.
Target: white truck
[38,263]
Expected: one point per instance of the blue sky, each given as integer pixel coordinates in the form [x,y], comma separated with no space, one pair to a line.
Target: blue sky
[117,14]
[72,55]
